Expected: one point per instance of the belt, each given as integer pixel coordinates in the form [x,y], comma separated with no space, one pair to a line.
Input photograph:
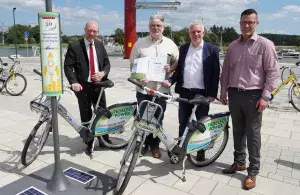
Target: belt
[239,89]
[197,90]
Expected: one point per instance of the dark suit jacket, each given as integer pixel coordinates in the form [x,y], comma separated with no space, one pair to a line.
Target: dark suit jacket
[211,69]
[76,64]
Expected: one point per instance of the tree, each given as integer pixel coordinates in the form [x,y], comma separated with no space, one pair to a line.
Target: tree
[119,36]
[298,41]
[168,32]
[32,40]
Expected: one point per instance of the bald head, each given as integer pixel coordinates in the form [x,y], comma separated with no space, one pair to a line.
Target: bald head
[91,30]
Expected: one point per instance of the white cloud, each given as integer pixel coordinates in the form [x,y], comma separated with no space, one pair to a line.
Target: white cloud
[296,19]
[23,5]
[291,8]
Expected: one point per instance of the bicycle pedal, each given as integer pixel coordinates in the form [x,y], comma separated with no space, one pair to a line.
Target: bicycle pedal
[174,159]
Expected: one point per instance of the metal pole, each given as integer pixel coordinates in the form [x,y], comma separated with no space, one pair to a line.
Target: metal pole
[14,9]
[27,47]
[59,181]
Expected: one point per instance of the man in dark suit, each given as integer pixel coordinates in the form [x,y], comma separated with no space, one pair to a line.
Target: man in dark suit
[86,62]
[197,73]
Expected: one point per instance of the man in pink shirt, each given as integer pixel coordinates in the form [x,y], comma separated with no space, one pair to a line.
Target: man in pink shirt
[249,75]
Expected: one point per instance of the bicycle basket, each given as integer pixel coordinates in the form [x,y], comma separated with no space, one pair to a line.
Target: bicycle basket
[40,104]
[149,115]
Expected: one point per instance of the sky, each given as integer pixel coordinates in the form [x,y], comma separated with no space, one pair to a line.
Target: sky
[275,16]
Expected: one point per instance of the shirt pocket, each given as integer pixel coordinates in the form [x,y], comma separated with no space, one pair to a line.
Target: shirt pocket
[255,61]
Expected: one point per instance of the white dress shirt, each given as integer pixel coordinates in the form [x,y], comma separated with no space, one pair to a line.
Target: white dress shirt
[87,45]
[193,69]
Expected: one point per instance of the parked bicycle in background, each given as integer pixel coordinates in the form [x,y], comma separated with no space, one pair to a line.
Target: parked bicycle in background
[11,78]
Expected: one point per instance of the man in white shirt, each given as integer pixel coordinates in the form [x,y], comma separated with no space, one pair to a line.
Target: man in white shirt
[197,73]
[154,45]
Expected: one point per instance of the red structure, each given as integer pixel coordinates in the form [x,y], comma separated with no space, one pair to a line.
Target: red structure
[130,26]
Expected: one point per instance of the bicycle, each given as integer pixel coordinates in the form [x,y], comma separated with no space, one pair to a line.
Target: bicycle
[202,135]
[285,71]
[114,120]
[11,78]
[294,90]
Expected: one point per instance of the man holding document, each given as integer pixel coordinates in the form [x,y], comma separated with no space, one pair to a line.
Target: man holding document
[197,73]
[152,60]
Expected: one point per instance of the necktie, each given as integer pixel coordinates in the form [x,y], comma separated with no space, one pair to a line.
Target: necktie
[92,65]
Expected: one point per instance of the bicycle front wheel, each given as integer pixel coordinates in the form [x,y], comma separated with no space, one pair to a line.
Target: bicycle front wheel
[285,74]
[209,154]
[16,84]
[35,141]
[127,167]
[295,96]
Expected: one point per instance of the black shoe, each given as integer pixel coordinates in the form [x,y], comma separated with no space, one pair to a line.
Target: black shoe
[89,149]
[200,156]
[144,150]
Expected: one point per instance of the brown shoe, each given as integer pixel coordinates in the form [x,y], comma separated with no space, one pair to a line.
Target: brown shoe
[155,152]
[250,182]
[234,168]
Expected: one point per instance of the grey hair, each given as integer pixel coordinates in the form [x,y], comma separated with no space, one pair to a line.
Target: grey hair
[196,23]
[91,21]
[157,16]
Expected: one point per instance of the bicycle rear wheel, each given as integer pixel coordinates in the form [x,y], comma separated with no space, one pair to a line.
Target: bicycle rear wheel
[295,96]
[210,154]
[127,167]
[35,141]
[120,138]
[16,84]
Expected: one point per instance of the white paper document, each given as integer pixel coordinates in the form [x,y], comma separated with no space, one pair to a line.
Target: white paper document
[151,68]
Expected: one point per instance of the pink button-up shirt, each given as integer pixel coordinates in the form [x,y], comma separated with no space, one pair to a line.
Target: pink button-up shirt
[250,65]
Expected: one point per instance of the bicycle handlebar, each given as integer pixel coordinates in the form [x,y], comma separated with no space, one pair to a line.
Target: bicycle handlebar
[157,93]
[297,63]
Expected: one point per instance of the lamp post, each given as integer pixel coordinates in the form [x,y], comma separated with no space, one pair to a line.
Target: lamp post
[14,9]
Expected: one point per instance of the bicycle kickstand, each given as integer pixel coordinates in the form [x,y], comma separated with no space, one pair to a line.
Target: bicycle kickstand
[183,169]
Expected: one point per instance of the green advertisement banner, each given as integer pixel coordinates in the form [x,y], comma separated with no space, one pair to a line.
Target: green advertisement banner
[51,61]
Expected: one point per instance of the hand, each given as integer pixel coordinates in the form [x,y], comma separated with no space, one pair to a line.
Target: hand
[145,81]
[224,100]
[166,83]
[167,68]
[261,105]
[98,76]
[76,87]
[211,99]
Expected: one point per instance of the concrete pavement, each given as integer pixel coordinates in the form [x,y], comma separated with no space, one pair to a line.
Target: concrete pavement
[280,170]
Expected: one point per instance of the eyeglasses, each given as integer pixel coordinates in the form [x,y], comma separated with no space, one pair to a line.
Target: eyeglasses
[90,30]
[156,25]
[250,23]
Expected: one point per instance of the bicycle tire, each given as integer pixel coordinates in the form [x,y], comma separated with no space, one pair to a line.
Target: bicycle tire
[31,137]
[284,72]
[292,98]
[135,154]
[7,82]
[215,157]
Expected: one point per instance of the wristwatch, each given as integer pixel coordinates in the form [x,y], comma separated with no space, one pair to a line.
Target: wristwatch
[265,98]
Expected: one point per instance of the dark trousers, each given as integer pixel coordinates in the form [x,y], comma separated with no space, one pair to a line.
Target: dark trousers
[87,98]
[150,140]
[246,124]
[185,109]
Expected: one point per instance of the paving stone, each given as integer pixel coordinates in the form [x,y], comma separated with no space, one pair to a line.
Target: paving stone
[287,153]
[275,177]
[291,181]
[273,154]
[269,168]
[221,177]
[284,173]
[296,174]
[204,187]
[271,161]
[190,182]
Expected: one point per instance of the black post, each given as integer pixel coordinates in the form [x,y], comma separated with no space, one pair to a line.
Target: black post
[59,181]
[14,9]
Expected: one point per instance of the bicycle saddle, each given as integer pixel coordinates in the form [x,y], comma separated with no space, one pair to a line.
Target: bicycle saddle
[199,99]
[106,84]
